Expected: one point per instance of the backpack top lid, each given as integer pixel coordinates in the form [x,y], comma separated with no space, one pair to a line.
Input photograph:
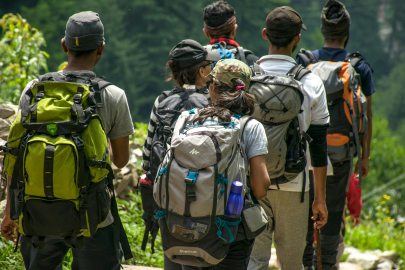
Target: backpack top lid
[193,143]
[278,97]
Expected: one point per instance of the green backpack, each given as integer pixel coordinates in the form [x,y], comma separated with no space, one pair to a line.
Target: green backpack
[57,153]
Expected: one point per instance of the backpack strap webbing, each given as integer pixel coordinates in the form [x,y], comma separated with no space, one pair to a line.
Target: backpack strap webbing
[355,58]
[241,54]
[99,84]
[307,57]
[298,71]
[120,237]
[256,70]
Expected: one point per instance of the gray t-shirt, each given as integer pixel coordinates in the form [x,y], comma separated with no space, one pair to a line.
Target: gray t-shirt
[115,113]
[254,141]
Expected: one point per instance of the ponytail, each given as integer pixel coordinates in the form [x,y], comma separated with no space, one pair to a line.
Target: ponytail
[230,101]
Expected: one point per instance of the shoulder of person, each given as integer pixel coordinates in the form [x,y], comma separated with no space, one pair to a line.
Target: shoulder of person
[114,93]
[251,125]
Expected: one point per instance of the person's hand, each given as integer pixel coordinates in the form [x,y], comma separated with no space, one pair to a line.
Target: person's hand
[355,221]
[320,214]
[8,229]
[364,167]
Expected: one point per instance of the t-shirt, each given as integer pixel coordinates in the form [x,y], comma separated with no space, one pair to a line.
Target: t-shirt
[115,113]
[335,55]
[315,110]
[254,141]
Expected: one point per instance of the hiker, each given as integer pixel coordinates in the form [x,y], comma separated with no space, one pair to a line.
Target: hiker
[346,138]
[220,27]
[189,63]
[286,203]
[202,191]
[106,114]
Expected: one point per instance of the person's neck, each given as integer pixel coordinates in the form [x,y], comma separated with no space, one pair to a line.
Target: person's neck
[79,64]
[230,37]
[334,44]
[199,85]
[282,50]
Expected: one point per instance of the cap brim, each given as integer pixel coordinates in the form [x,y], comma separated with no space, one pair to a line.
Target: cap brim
[212,55]
[304,27]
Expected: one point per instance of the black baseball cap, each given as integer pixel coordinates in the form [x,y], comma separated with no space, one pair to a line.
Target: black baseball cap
[284,22]
[189,53]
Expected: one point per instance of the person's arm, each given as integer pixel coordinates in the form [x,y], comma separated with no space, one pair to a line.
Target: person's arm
[8,226]
[259,178]
[120,151]
[319,205]
[365,158]
[367,87]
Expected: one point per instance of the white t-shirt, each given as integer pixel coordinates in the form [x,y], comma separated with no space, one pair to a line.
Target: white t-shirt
[315,109]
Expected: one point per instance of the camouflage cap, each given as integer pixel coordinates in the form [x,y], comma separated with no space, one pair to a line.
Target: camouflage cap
[227,69]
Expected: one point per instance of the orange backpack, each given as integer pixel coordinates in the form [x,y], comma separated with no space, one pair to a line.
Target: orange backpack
[347,106]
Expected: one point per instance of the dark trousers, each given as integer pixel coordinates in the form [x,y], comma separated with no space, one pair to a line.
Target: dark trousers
[236,259]
[98,253]
[330,233]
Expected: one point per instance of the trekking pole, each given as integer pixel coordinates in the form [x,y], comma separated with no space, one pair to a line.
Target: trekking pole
[318,249]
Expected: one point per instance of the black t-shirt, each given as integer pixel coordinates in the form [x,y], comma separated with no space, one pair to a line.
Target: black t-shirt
[335,55]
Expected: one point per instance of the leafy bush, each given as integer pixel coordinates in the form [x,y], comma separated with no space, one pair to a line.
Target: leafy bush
[131,216]
[382,232]
[21,57]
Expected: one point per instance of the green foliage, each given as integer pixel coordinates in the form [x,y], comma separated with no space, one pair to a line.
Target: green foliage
[386,163]
[139,35]
[141,132]
[383,232]
[131,216]
[21,57]
[9,259]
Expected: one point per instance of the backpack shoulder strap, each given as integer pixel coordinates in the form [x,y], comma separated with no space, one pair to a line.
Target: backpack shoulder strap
[355,58]
[298,71]
[55,76]
[242,122]
[307,57]
[256,70]
[99,84]
[241,54]
[166,94]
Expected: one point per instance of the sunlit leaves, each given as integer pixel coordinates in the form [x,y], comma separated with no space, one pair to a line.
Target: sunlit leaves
[21,57]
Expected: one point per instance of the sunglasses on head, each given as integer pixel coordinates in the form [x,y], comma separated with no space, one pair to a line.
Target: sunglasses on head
[211,64]
[211,81]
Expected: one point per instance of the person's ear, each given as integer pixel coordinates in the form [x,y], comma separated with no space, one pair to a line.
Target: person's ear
[100,49]
[264,34]
[206,34]
[64,47]
[233,32]
[297,39]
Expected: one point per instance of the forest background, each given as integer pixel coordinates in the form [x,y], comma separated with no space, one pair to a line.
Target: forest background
[140,33]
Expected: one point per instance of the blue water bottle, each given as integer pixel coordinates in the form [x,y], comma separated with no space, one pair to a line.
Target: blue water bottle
[235,200]
[233,208]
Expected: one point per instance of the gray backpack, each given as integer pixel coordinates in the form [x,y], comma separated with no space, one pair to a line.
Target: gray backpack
[278,103]
[192,188]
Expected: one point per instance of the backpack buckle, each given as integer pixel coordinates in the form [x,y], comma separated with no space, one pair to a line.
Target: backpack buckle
[77,99]
[191,177]
[78,140]
[39,96]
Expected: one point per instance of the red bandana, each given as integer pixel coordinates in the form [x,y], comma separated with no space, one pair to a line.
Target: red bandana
[226,39]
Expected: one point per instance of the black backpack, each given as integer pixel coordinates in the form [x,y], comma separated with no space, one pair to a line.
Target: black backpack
[171,104]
